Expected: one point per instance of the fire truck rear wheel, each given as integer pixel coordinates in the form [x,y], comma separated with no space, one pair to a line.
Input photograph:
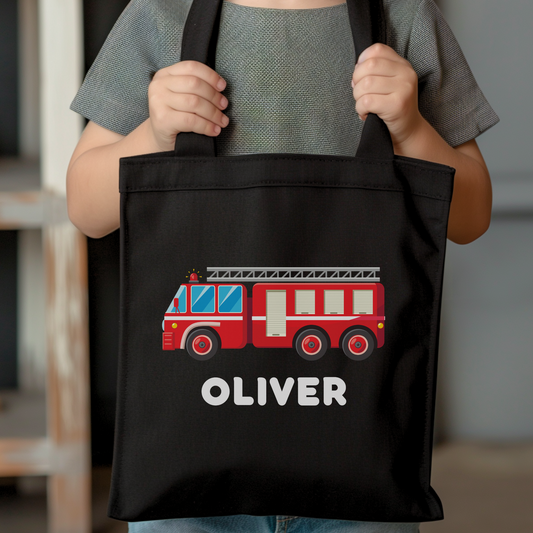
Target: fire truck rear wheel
[358,344]
[202,344]
[311,344]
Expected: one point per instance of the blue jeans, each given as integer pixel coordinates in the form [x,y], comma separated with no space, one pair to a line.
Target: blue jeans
[266,524]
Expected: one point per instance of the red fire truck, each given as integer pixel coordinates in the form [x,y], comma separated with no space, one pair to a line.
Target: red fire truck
[309,309]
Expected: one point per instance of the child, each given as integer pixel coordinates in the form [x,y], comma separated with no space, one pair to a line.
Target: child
[284,67]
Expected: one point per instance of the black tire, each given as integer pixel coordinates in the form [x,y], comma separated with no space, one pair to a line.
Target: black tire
[358,344]
[311,344]
[202,344]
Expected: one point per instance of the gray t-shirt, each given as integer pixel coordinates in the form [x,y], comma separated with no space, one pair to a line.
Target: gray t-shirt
[288,74]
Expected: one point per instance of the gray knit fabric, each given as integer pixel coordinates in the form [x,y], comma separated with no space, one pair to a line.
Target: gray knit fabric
[288,74]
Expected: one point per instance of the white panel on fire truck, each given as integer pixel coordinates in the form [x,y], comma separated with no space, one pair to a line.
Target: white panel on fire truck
[333,302]
[276,314]
[363,301]
[304,302]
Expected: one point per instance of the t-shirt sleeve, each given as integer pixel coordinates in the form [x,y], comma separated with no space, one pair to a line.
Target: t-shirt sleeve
[145,38]
[449,96]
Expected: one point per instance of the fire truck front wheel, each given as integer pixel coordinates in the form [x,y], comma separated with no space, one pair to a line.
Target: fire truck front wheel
[311,344]
[202,344]
[358,344]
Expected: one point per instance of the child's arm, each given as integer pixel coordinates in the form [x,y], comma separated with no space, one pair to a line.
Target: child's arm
[386,84]
[182,97]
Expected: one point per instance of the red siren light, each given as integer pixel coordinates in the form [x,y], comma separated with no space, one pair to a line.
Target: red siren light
[193,277]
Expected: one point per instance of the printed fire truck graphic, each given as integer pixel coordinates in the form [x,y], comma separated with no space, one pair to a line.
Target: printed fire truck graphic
[308,309]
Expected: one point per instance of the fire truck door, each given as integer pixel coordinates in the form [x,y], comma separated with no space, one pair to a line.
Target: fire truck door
[276,315]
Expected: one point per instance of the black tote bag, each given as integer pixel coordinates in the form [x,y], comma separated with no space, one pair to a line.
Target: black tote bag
[279,324]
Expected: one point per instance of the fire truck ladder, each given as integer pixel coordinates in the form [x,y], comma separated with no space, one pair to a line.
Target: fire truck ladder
[216,274]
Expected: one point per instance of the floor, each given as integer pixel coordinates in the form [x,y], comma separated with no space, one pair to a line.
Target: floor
[484,489]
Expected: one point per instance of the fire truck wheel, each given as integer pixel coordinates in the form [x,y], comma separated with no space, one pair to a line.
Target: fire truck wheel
[202,344]
[358,344]
[311,344]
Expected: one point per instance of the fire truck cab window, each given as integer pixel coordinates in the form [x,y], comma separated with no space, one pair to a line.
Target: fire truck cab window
[230,299]
[363,301]
[182,296]
[304,302]
[203,299]
[333,302]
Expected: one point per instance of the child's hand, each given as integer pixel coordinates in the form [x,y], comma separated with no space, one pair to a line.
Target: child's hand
[186,96]
[386,84]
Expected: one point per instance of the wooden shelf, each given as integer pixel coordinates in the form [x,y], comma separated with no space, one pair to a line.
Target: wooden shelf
[19,174]
[24,447]
[23,414]
[48,433]
[512,193]
[23,205]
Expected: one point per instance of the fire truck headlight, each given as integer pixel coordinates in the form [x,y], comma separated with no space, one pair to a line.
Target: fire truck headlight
[174,325]
[380,325]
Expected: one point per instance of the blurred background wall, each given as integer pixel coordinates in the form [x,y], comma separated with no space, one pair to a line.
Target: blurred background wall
[8,77]
[22,335]
[8,147]
[486,359]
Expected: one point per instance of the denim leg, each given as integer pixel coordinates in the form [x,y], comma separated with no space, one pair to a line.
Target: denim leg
[319,525]
[211,524]
[282,523]
[267,524]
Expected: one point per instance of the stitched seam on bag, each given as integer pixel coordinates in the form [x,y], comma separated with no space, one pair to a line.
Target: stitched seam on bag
[115,508]
[280,183]
[124,358]
[354,160]
[425,455]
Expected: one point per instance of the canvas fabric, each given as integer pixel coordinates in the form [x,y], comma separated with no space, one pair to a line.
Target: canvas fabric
[236,401]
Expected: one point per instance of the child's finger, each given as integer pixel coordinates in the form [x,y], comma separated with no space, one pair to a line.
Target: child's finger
[378,104]
[191,122]
[379,50]
[195,68]
[376,85]
[376,66]
[194,104]
[193,85]
[197,124]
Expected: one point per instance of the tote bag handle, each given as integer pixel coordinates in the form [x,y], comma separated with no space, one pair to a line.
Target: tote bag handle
[200,35]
